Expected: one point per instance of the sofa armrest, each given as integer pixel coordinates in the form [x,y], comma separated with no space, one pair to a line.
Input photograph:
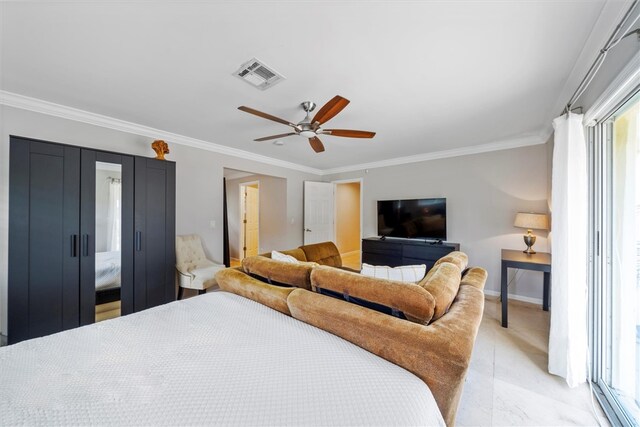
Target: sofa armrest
[439,353]
[475,276]
[235,281]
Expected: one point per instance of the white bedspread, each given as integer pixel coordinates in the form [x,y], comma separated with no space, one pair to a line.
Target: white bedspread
[213,359]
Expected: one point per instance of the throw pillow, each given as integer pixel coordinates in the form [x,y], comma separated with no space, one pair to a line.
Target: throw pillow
[279,256]
[405,273]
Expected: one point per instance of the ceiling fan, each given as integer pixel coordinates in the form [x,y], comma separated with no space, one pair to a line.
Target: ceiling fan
[310,128]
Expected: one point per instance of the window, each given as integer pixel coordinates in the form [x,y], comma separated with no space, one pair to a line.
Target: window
[615,256]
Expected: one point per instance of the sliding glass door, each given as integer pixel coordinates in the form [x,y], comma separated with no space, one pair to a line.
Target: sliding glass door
[615,256]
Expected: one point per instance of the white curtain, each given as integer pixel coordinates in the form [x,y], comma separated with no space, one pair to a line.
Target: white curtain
[114,216]
[568,333]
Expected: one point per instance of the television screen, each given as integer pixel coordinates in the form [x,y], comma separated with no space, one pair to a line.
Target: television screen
[416,218]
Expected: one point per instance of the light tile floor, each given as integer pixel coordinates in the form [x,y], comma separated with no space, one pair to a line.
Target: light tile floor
[508,383]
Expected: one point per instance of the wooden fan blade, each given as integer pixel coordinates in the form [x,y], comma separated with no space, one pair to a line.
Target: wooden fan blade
[282,135]
[349,133]
[265,116]
[330,109]
[316,144]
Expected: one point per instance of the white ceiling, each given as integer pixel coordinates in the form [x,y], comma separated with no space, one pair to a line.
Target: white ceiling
[426,76]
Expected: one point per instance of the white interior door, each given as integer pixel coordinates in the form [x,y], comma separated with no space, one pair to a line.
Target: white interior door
[318,212]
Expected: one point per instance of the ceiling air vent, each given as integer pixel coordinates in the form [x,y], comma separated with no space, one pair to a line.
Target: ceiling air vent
[258,75]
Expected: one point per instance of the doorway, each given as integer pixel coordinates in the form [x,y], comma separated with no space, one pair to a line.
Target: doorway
[348,221]
[249,219]
[273,228]
[333,211]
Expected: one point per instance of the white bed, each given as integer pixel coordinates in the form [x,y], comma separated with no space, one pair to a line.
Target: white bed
[108,267]
[214,359]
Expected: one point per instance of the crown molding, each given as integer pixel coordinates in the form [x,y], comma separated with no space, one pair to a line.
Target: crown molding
[15,100]
[517,142]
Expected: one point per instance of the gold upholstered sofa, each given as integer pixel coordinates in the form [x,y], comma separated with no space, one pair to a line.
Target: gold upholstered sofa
[293,274]
[428,328]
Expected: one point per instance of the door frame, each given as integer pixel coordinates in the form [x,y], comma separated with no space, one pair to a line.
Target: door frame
[241,213]
[335,206]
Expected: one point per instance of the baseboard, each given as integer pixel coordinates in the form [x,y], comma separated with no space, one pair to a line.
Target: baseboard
[530,300]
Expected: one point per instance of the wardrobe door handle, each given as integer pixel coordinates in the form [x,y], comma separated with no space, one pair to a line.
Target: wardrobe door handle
[138,241]
[85,245]
[74,245]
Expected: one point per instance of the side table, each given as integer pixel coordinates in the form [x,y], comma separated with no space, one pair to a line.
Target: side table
[540,261]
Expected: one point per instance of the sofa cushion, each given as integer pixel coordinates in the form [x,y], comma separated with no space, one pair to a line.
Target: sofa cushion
[412,300]
[456,257]
[325,253]
[279,272]
[404,273]
[442,282]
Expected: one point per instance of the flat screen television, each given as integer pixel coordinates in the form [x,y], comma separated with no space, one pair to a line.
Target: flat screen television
[413,219]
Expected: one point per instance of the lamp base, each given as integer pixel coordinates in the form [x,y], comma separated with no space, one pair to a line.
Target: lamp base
[529,240]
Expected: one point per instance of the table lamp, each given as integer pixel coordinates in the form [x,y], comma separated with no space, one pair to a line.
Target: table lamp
[531,221]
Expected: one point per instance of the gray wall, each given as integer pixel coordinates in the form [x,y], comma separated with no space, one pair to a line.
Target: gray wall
[483,191]
[272,213]
[198,180]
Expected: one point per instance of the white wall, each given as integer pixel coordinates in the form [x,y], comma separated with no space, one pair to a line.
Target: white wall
[483,191]
[272,213]
[198,180]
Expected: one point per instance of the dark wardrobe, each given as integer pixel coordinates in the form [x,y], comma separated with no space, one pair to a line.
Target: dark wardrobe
[63,259]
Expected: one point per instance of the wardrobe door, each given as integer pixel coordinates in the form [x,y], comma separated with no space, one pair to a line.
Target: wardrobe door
[154,265]
[43,238]
[106,235]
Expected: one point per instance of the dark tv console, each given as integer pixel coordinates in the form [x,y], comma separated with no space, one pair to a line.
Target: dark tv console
[395,252]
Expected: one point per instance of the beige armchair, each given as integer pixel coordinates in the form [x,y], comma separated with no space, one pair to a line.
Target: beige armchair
[195,271]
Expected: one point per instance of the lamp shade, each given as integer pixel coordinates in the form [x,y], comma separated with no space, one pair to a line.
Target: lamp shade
[535,221]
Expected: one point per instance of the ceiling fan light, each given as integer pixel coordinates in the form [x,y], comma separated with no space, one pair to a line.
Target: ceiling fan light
[308,133]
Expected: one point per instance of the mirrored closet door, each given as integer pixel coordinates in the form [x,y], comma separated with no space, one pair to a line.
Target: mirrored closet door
[108,247]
